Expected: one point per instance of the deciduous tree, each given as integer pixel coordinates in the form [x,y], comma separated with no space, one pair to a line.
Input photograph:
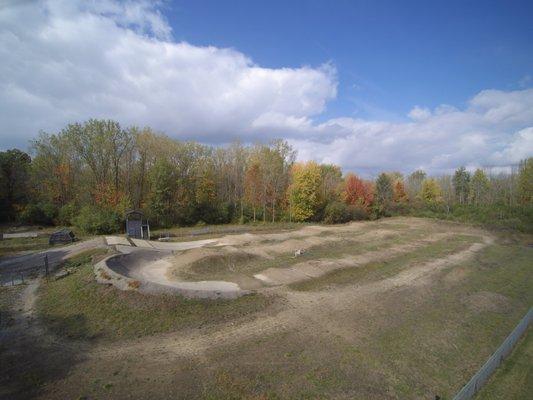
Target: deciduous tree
[357,192]
[304,191]
[461,184]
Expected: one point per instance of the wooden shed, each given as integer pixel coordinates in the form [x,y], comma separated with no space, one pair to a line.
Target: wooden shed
[137,225]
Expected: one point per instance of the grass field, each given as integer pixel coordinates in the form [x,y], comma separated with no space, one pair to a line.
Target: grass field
[513,380]
[394,325]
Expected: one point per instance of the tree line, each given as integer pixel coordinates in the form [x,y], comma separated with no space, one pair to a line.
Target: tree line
[90,173]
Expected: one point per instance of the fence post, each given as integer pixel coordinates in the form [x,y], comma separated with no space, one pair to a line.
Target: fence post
[46,265]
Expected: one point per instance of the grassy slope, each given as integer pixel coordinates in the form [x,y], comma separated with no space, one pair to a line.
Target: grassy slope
[513,380]
[76,306]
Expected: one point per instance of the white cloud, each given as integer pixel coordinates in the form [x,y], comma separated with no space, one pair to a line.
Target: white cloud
[69,61]
[66,61]
[419,113]
[496,129]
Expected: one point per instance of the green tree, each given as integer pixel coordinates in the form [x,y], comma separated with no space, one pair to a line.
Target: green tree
[384,190]
[162,201]
[525,181]
[14,182]
[304,196]
[331,181]
[56,169]
[479,187]
[461,184]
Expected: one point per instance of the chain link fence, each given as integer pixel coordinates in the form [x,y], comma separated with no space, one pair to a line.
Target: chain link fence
[481,377]
[19,272]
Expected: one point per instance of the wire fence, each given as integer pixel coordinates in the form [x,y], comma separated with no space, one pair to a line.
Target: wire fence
[481,377]
[20,272]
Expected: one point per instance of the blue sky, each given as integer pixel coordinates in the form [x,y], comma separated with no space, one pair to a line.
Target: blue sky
[371,86]
[390,55]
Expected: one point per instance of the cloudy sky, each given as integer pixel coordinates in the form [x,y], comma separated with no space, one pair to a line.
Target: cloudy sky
[367,85]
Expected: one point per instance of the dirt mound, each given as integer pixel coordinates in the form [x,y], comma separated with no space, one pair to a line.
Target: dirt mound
[455,275]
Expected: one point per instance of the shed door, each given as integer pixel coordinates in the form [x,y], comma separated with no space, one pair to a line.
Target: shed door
[134,229]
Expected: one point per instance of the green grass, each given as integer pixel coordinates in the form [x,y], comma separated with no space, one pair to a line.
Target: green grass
[380,270]
[500,217]
[15,245]
[513,380]
[77,307]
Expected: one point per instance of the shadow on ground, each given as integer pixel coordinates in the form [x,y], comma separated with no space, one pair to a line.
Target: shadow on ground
[30,359]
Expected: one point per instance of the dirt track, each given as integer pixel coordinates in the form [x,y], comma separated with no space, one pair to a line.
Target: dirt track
[303,311]
[342,312]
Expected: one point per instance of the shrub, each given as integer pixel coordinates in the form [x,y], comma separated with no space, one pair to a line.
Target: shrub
[214,213]
[38,213]
[337,213]
[97,221]
[358,212]
[66,214]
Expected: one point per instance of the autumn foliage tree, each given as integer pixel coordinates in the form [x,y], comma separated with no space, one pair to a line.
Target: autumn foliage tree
[431,192]
[399,193]
[357,192]
[88,173]
[304,195]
